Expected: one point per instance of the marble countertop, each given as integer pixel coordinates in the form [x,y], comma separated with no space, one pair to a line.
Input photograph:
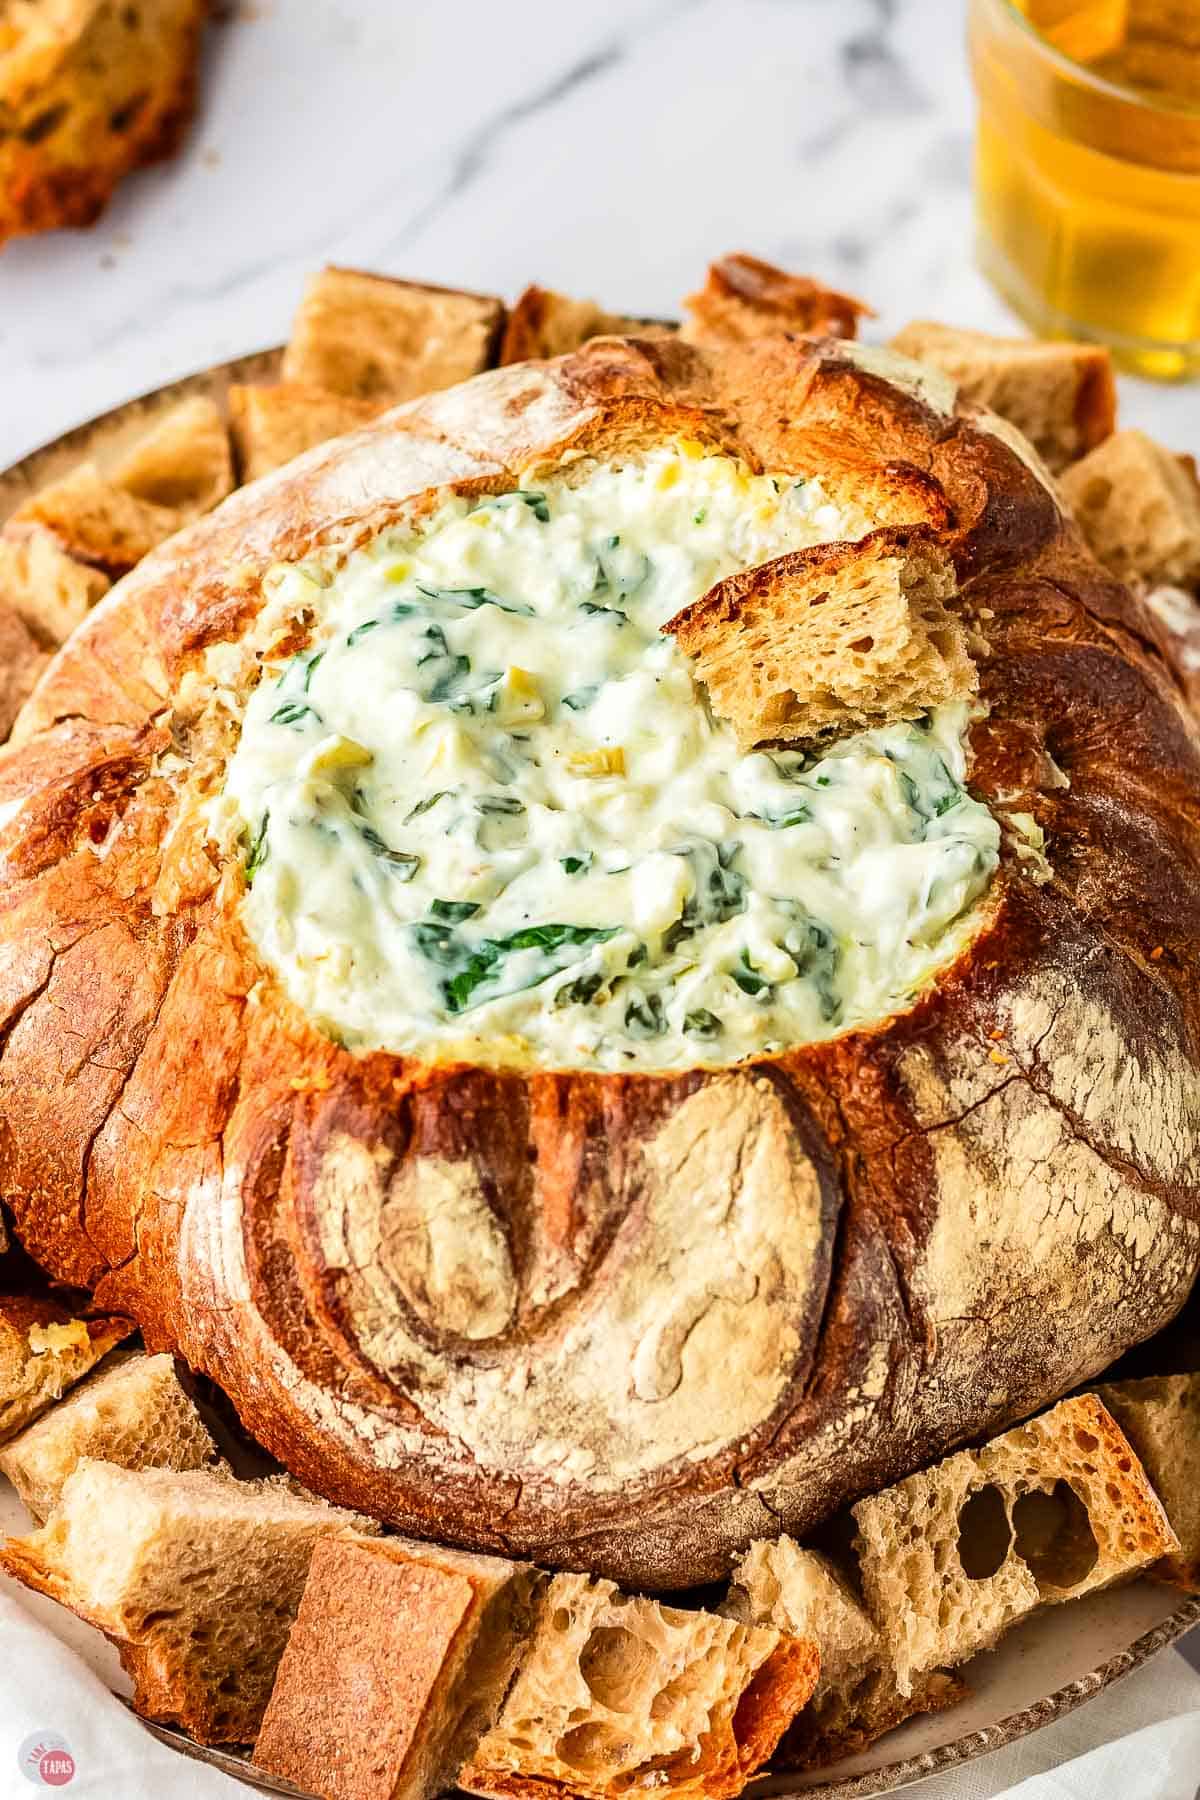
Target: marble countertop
[605,149]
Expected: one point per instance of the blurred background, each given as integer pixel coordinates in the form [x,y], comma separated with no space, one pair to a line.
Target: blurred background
[608,150]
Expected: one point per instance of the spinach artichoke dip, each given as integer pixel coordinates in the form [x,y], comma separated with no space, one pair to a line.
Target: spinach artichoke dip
[488,814]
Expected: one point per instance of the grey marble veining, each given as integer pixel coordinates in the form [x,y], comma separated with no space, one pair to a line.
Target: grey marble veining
[605,149]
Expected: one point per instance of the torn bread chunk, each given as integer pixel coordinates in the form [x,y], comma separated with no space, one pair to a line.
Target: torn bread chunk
[177,470]
[849,1720]
[1050,1511]
[801,1592]
[94,521]
[45,1349]
[1063,397]
[835,639]
[856,1700]
[49,590]
[131,1411]
[22,660]
[272,423]
[543,324]
[89,89]
[196,1577]
[398,1662]
[618,1693]
[745,298]
[1161,1418]
[372,337]
[183,462]
[1138,506]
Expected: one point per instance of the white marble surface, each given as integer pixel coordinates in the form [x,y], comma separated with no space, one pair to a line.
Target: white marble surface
[606,148]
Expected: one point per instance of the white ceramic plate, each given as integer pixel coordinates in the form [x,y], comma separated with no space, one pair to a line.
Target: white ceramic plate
[1042,1671]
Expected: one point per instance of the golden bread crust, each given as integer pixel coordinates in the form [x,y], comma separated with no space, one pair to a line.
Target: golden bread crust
[377,339]
[744,298]
[945,1221]
[543,323]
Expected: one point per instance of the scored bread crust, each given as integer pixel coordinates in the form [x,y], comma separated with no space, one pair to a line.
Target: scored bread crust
[721,1302]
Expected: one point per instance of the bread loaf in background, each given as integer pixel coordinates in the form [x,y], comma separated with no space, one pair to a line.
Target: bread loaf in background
[87,94]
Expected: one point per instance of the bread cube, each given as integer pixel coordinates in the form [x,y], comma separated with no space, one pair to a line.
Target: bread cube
[1050,1511]
[373,338]
[1062,396]
[1138,506]
[398,1662]
[831,640]
[131,1411]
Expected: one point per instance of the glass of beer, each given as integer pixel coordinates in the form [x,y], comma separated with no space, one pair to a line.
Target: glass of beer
[1088,171]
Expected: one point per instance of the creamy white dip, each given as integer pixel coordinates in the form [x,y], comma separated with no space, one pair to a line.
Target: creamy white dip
[488,813]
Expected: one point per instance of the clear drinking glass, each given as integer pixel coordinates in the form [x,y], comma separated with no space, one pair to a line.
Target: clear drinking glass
[1088,171]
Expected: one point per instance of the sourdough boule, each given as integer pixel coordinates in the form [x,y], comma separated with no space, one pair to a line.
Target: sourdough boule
[562,1129]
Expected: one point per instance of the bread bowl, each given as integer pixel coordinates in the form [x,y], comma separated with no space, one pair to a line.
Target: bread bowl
[946,1212]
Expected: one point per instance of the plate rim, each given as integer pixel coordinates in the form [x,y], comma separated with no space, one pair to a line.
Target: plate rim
[887,1780]
[1013,1726]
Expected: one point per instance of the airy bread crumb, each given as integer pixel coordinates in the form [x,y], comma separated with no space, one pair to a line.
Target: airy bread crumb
[856,1699]
[178,469]
[370,337]
[618,1692]
[182,462]
[47,589]
[273,422]
[1161,1418]
[1062,396]
[195,1577]
[94,521]
[1138,506]
[1050,1511]
[831,640]
[131,1411]
[44,1350]
[22,660]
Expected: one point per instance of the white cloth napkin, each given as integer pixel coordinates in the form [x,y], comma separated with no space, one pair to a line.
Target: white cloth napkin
[49,1693]
[1139,1741]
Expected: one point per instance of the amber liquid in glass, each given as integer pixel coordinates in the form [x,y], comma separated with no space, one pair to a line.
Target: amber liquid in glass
[1089,171]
